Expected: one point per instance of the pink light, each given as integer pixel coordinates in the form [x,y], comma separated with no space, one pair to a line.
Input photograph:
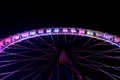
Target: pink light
[26,34]
[65,30]
[82,31]
[1,43]
[8,40]
[40,31]
[117,39]
[73,30]
[16,37]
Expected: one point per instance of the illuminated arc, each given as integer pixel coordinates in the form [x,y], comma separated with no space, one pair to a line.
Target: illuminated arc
[6,42]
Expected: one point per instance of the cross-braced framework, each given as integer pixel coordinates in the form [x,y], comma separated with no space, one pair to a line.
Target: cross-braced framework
[60,54]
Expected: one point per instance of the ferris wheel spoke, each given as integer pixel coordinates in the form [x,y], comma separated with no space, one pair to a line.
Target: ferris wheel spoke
[17,46]
[45,41]
[8,64]
[105,65]
[32,44]
[87,78]
[53,42]
[95,53]
[73,76]
[113,76]
[98,44]
[83,44]
[22,54]
[45,68]
[22,70]
[41,69]
[96,68]
[17,70]
[74,70]
[76,37]
[87,42]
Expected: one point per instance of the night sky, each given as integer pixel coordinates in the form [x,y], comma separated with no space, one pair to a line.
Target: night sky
[15,20]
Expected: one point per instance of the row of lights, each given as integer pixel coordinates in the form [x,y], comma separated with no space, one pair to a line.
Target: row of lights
[58,30]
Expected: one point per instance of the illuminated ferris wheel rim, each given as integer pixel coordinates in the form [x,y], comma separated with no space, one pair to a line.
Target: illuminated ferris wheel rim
[6,42]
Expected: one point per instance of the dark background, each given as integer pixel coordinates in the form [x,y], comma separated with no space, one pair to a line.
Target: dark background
[18,19]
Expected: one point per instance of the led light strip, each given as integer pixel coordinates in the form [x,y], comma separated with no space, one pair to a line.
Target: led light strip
[6,42]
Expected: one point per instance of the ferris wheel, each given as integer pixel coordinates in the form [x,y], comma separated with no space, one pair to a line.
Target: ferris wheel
[60,54]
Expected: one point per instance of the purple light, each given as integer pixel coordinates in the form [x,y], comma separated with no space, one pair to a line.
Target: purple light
[32,32]
[8,40]
[81,31]
[56,30]
[40,31]
[73,30]
[26,34]
[16,37]
[65,30]
[117,39]
[1,43]
[107,36]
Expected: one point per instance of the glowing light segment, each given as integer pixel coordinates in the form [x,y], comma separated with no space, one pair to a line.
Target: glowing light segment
[98,34]
[24,35]
[8,40]
[56,30]
[48,31]
[81,31]
[90,32]
[107,36]
[40,31]
[32,32]
[116,39]
[1,44]
[16,37]
[73,30]
[65,30]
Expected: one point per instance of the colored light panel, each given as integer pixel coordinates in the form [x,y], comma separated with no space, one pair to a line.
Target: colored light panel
[73,30]
[32,32]
[107,36]
[81,31]
[56,30]
[8,40]
[90,32]
[65,30]
[48,31]
[26,34]
[40,31]
[16,37]
[98,34]
[116,39]
[1,43]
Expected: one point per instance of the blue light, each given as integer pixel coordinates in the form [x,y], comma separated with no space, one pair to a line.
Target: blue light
[56,30]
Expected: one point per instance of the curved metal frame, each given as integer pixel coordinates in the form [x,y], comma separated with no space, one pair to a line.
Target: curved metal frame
[6,42]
